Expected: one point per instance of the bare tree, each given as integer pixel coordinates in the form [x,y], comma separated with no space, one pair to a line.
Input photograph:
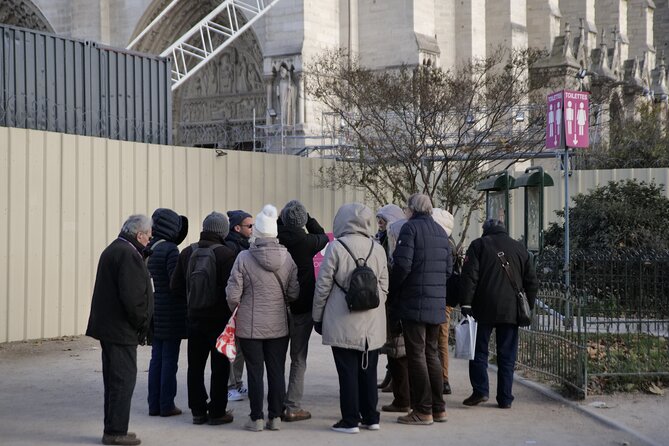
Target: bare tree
[424,129]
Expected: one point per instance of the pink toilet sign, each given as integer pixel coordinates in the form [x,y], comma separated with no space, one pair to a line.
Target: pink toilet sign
[567,113]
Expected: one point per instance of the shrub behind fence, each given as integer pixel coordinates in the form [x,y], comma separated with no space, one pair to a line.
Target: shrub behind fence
[610,330]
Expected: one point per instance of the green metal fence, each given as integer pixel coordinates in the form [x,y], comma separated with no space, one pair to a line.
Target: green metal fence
[610,330]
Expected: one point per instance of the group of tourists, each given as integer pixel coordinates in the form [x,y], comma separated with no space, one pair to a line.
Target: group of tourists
[383,293]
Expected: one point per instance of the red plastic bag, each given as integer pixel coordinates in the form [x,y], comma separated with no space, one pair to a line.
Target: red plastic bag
[225,343]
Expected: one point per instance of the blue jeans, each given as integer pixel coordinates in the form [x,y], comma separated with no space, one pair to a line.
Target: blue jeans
[163,375]
[506,336]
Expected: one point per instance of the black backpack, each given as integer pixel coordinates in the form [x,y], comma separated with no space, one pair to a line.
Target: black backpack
[363,291]
[201,278]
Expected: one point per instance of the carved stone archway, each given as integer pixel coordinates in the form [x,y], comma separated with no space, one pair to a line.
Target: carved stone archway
[215,107]
[25,14]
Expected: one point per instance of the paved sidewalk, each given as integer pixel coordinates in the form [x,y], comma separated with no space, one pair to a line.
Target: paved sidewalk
[51,394]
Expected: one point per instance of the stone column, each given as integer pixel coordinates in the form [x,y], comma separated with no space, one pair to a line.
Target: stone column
[269,80]
[470,18]
[543,23]
[300,117]
[612,14]
[640,29]
[506,24]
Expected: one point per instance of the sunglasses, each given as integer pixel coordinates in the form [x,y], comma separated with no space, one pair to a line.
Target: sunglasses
[247,226]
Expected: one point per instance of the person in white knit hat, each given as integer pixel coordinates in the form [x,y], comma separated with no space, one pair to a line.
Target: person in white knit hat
[263,280]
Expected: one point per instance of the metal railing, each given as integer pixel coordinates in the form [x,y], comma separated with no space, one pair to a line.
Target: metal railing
[610,330]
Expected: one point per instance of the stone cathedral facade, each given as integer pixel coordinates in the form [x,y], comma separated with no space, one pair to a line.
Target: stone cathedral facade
[259,78]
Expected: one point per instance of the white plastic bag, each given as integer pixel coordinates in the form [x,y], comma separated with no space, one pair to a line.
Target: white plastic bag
[465,338]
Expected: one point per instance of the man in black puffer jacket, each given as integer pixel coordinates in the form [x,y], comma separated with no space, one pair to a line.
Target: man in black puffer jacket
[422,263]
[205,325]
[302,247]
[488,295]
[169,316]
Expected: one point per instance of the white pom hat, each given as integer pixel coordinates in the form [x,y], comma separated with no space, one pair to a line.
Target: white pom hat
[265,224]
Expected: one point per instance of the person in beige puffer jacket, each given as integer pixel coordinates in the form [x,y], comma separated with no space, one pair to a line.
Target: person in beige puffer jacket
[355,336]
[262,282]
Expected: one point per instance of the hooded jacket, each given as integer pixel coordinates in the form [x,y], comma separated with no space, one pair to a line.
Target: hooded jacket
[390,213]
[169,316]
[485,285]
[261,296]
[422,263]
[356,330]
[122,304]
[303,247]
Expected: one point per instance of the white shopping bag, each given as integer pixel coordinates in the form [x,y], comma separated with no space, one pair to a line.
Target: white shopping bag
[465,338]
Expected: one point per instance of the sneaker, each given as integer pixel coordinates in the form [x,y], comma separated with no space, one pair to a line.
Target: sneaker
[120,439]
[295,415]
[235,395]
[440,417]
[416,419]
[370,427]
[474,399]
[447,388]
[343,428]
[243,391]
[274,424]
[224,419]
[254,425]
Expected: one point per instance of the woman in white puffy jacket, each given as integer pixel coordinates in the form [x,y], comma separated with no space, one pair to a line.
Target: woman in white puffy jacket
[355,336]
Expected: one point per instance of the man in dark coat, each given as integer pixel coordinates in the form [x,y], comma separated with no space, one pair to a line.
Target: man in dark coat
[205,325]
[422,263]
[238,240]
[302,247]
[121,312]
[488,295]
[169,316]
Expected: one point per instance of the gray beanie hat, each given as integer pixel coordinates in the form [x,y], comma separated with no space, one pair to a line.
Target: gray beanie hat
[216,223]
[294,214]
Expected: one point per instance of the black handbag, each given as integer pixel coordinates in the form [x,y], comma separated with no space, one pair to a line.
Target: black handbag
[524,317]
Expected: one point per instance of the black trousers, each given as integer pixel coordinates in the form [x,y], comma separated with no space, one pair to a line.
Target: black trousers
[258,355]
[202,345]
[119,374]
[358,395]
[425,378]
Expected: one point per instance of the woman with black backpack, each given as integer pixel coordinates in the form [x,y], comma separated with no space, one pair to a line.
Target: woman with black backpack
[349,312]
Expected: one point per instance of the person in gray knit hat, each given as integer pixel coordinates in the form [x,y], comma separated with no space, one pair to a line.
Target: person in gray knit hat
[216,223]
[294,214]
[302,245]
[206,322]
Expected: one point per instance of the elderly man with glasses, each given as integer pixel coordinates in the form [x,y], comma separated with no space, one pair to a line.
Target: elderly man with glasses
[121,313]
